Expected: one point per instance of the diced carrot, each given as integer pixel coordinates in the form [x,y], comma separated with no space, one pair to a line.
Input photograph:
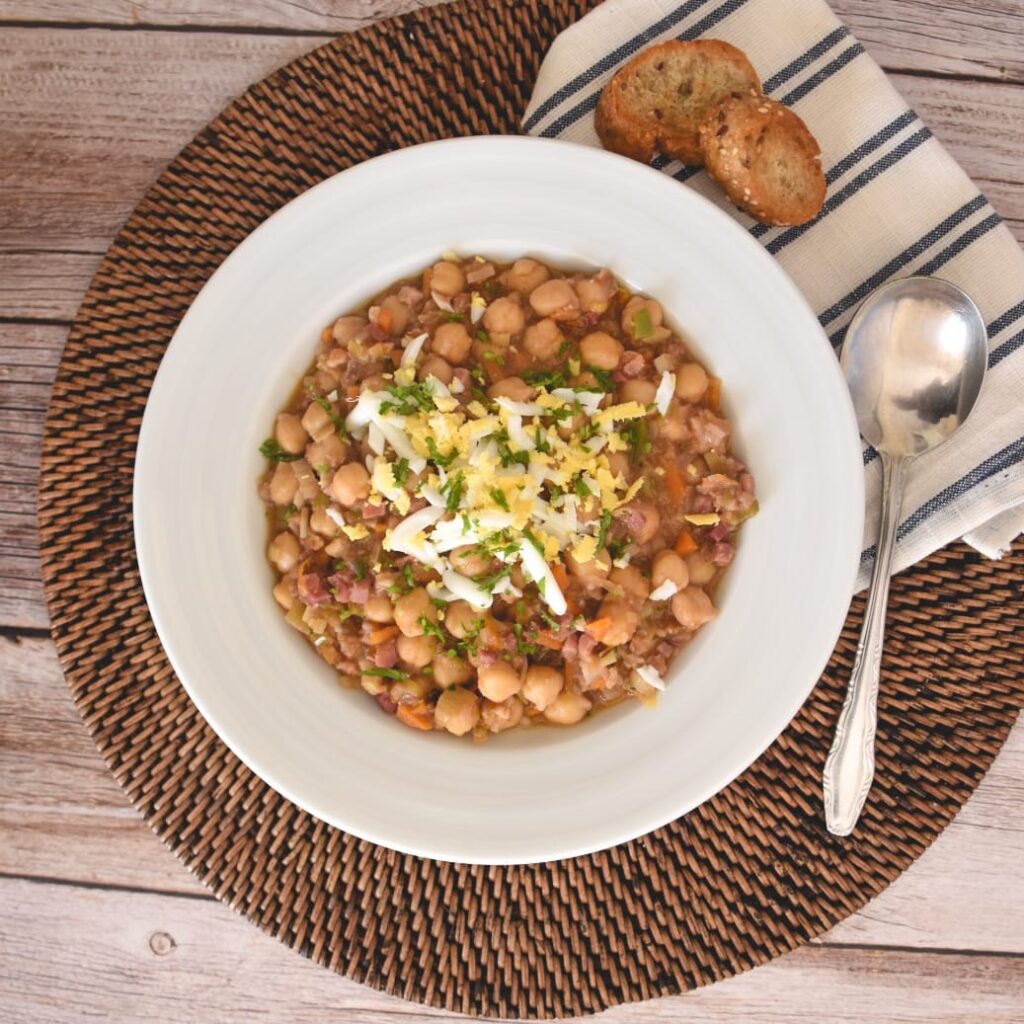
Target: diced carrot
[416,716]
[685,544]
[561,576]
[352,391]
[674,483]
[546,639]
[396,357]
[598,628]
[385,320]
[379,636]
[326,334]
[715,395]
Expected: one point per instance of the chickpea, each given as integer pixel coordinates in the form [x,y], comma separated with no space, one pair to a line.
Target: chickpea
[469,561]
[498,717]
[375,382]
[350,484]
[568,708]
[320,522]
[400,315]
[452,342]
[284,551]
[596,292]
[692,608]
[691,383]
[642,521]
[447,279]
[412,607]
[631,581]
[636,305]
[498,682]
[542,685]
[514,388]
[461,619]
[675,424]
[346,328]
[601,350]
[316,422]
[642,391]
[555,298]
[450,669]
[283,484]
[504,316]
[669,566]
[457,711]
[702,570]
[525,275]
[411,690]
[378,608]
[283,594]
[625,619]
[593,573]
[329,452]
[289,434]
[435,366]
[543,339]
[416,651]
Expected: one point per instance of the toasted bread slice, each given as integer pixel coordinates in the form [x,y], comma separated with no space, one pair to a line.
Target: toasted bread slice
[765,158]
[657,101]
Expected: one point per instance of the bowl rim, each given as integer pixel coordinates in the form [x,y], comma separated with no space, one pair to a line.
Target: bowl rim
[653,179]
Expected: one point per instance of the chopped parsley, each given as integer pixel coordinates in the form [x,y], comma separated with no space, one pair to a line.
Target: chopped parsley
[531,537]
[431,628]
[360,568]
[490,580]
[408,576]
[385,673]
[545,378]
[436,456]
[547,617]
[494,357]
[564,349]
[452,317]
[636,433]
[521,646]
[288,512]
[602,531]
[273,451]
[400,471]
[452,491]
[491,288]
[409,399]
[482,335]
[499,498]
[580,488]
[603,377]
[617,548]
[540,443]
[335,418]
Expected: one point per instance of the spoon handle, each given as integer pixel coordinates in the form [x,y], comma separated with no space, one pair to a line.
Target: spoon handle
[850,766]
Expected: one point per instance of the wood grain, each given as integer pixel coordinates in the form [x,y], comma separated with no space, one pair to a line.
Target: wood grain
[28,362]
[72,954]
[45,800]
[62,111]
[978,39]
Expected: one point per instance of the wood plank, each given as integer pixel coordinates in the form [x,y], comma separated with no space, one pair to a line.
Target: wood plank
[69,954]
[72,100]
[63,110]
[28,361]
[47,797]
[981,38]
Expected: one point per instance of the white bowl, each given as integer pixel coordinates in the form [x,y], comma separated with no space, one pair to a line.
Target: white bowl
[545,793]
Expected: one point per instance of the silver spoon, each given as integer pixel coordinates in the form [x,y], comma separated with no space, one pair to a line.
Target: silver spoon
[914,358]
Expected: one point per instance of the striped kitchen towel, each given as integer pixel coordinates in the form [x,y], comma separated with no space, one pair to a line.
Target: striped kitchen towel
[897,204]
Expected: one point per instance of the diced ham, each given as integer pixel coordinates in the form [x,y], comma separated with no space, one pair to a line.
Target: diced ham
[341,584]
[570,649]
[386,703]
[415,504]
[409,295]
[481,272]
[633,364]
[311,589]
[709,432]
[587,645]
[722,554]
[719,532]
[386,655]
[336,357]
[373,511]
[376,334]
[703,503]
[359,593]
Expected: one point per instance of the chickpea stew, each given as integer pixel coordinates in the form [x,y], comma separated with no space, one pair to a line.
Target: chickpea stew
[502,496]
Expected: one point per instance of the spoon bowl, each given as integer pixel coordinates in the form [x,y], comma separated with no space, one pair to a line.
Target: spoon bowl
[914,359]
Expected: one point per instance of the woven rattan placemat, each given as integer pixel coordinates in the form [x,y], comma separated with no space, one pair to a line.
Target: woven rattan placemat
[747,876]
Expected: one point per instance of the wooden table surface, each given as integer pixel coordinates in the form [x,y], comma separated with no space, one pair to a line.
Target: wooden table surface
[97,918]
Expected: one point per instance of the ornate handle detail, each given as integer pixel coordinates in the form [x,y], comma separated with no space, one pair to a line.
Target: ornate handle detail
[850,766]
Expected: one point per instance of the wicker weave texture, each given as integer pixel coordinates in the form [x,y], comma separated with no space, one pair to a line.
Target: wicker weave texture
[744,878]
